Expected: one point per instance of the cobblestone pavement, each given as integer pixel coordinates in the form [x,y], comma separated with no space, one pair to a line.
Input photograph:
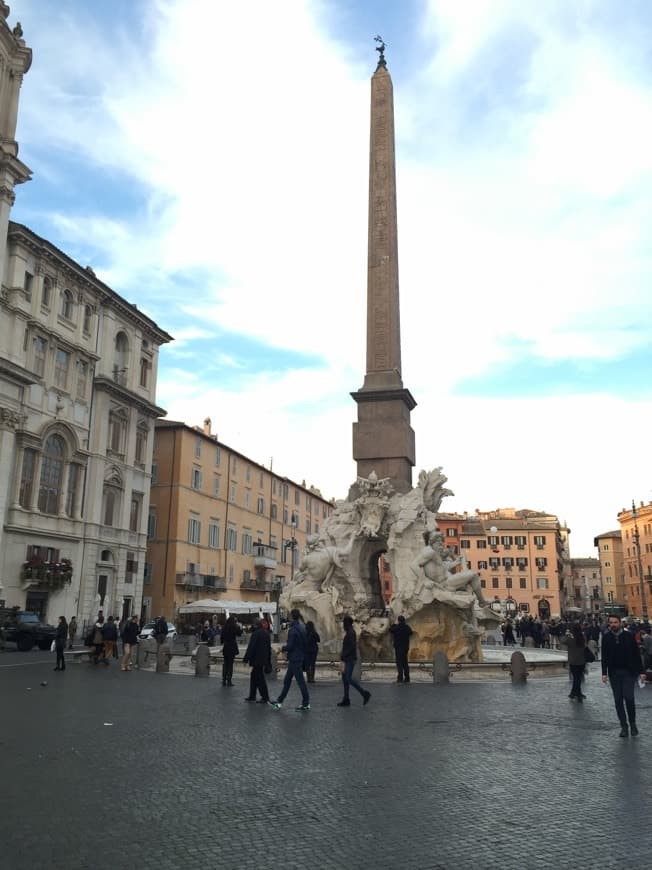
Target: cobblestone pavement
[103,769]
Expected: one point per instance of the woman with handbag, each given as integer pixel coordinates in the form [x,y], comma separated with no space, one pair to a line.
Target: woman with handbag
[576,645]
[60,643]
[259,656]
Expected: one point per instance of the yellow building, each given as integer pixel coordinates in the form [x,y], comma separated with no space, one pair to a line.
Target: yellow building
[612,568]
[520,556]
[220,524]
[636,530]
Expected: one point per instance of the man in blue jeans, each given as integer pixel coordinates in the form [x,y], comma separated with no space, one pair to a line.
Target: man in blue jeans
[296,649]
[348,657]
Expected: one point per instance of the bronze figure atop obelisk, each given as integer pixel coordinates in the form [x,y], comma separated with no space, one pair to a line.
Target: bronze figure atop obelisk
[383,440]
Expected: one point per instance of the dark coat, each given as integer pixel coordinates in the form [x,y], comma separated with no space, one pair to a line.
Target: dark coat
[620,652]
[312,642]
[109,631]
[297,643]
[259,650]
[228,638]
[349,646]
[575,651]
[130,633]
[401,636]
[62,632]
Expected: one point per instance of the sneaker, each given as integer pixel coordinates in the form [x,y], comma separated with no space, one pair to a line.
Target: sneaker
[633,730]
[302,707]
[365,698]
[344,703]
[275,704]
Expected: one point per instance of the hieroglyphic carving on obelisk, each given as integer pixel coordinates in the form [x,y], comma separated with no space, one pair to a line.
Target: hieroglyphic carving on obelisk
[383,440]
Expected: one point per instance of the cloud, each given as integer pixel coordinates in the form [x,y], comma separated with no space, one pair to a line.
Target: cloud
[211,160]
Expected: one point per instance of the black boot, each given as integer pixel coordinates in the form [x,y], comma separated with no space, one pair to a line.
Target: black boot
[344,703]
[633,729]
[624,731]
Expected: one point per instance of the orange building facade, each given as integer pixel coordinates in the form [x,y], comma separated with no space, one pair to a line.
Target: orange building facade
[636,530]
[221,526]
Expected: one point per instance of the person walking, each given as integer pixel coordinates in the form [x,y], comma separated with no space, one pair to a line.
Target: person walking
[161,629]
[60,643]
[401,633]
[98,639]
[109,637]
[508,633]
[348,658]
[296,649]
[230,632]
[312,648]
[621,664]
[259,656]
[72,632]
[646,648]
[575,644]
[130,633]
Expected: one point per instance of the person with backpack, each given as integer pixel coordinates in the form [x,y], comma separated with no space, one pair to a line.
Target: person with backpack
[296,650]
[130,633]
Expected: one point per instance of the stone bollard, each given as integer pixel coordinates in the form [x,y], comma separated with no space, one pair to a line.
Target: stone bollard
[440,669]
[146,653]
[202,661]
[518,668]
[274,674]
[163,656]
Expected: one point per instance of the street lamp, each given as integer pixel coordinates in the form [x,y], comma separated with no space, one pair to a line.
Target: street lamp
[637,545]
[291,545]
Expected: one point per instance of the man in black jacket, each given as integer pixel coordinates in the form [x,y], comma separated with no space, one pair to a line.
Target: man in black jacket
[348,658]
[401,632]
[621,664]
[259,656]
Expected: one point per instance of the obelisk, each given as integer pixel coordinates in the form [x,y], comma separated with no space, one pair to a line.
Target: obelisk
[383,440]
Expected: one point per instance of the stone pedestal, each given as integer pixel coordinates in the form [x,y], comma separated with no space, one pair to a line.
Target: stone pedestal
[202,661]
[440,669]
[146,654]
[163,656]
[518,668]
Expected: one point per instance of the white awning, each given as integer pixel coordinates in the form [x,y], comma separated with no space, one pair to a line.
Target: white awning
[210,605]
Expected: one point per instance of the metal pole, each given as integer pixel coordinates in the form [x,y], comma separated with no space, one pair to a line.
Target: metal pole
[637,545]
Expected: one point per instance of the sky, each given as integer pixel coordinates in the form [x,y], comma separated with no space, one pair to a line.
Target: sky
[209,159]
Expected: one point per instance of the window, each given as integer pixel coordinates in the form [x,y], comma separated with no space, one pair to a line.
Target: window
[607,564]
[316,527]
[111,503]
[522,582]
[151,525]
[248,474]
[508,582]
[88,316]
[247,544]
[117,432]
[147,575]
[481,545]
[145,366]
[261,479]
[141,446]
[542,583]
[82,378]
[308,525]
[273,486]
[214,536]
[506,541]
[494,563]
[297,496]
[46,293]
[134,513]
[521,563]
[247,503]
[260,505]
[195,479]
[61,365]
[194,531]
[482,565]
[234,464]
[508,563]
[233,494]
[27,478]
[493,540]
[40,347]
[541,562]
[28,283]
[465,545]
[154,473]
[540,541]
[216,484]
[285,514]
[67,305]
[121,359]
[308,503]
[451,533]
[520,541]
[231,539]
[483,584]
[494,582]
[274,511]
[51,475]
[132,567]
[218,456]
[197,448]
[246,576]
[73,486]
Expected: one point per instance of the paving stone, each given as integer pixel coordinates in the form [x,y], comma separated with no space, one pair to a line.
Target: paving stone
[484,775]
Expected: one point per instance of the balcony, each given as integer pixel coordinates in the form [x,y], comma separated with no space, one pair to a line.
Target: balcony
[264,556]
[261,585]
[201,581]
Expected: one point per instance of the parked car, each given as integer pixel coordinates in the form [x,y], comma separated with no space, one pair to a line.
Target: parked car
[148,631]
[26,629]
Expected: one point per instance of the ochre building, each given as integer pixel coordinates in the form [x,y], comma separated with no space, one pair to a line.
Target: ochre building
[221,526]
[636,530]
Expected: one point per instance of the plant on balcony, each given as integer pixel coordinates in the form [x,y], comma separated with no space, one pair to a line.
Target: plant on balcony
[33,569]
[52,574]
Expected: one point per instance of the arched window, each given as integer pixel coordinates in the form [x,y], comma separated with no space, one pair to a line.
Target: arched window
[51,475]
[46,293]
[121,358]
[67,305]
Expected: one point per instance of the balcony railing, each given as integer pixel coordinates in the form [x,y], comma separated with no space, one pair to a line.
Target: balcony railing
[264,555]
[261,585]
[201,581]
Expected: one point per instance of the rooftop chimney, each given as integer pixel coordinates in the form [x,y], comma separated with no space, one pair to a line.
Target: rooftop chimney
[207,426]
